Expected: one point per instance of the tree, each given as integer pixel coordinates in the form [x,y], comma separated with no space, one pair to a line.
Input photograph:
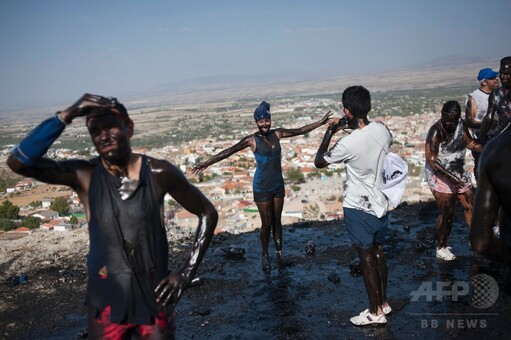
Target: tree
[296,188]
[60,205]
[295,176]
[6,224]
[9,210]
[6,181]
[315,174]
[36,204]
[73,220]
[31,222]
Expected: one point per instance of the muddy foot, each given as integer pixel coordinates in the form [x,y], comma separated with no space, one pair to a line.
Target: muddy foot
[265,264]
[282,261]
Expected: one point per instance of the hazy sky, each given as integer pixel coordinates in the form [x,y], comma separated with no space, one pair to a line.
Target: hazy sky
[52,51]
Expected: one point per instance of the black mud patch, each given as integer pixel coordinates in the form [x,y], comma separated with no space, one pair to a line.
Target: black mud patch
[311,299]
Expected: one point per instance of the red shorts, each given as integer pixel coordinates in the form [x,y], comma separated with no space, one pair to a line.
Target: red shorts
[102,328]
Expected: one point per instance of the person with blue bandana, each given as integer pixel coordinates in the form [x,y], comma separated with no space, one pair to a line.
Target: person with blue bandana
[268,185]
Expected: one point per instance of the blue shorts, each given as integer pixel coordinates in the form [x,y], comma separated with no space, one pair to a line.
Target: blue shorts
[365,229]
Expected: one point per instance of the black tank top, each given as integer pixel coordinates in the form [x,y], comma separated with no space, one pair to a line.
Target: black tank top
[128,238]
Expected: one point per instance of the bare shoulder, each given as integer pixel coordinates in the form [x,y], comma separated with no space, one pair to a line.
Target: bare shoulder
[161,166]
[167,177]
[248,140]
[83,168]
[433,132]
[279,132]
[80,164]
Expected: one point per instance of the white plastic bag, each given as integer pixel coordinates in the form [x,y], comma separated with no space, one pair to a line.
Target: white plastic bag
[395,175]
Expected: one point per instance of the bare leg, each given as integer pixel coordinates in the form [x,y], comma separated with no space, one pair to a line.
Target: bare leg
[278,204]
[381,265]
[466,201]
[266,214]
[372,279]
[446,204]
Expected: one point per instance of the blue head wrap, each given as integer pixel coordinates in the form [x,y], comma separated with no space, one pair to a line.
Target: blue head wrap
[262,111]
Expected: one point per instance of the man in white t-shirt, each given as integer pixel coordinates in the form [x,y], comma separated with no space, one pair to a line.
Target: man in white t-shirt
[477,105]
[365,206]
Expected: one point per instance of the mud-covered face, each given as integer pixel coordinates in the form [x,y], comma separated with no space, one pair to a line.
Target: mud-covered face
[505,75]
[264,125]
[450,120]
[111,136]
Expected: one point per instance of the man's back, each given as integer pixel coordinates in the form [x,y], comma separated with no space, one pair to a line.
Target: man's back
[363,152]
[366,147]
[495,165]
[493,199]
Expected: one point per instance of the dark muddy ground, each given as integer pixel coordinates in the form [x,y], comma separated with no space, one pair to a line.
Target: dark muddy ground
[303,301]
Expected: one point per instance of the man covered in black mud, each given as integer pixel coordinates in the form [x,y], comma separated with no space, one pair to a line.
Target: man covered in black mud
[448,179]
[493,202]
[499,105]
[130,290]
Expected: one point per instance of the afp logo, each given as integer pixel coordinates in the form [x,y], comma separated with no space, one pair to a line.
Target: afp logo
[483,291]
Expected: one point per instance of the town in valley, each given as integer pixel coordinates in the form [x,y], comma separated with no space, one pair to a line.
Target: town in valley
[186,132]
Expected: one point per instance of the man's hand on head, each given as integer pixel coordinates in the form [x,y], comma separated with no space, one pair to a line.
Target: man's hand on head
[83,106]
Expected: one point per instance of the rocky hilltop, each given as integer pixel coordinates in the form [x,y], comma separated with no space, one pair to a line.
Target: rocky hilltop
[43,280]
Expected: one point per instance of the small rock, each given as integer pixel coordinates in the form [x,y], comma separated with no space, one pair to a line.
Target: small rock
[334,277]
[310,248]
[234,253]
[355,268]
[83,334]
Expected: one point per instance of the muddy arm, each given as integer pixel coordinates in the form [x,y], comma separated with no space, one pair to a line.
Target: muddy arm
[284,133]
[171,180]
[242,144]
[431,150]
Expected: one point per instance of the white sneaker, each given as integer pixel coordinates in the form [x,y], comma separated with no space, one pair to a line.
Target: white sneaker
[386,308]
[496,230]
[366,318]
[445,254]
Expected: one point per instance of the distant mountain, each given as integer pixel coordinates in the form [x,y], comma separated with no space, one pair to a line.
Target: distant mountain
[456,60]
[442,72]
[229,81]
[298,79]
